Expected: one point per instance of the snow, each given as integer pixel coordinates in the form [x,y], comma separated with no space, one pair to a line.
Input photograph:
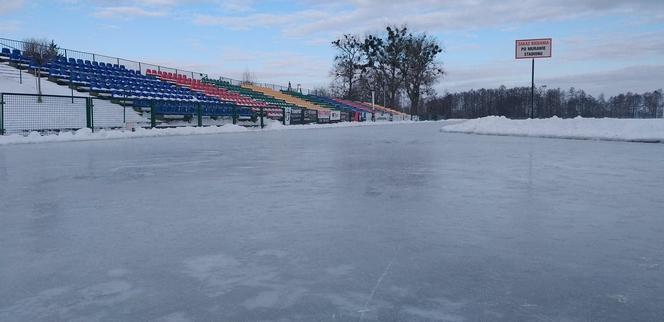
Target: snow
[380,223]
[86,134]
[639,130]
[29,85]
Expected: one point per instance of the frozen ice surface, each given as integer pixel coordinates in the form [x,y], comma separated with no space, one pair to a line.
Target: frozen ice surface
[390,223]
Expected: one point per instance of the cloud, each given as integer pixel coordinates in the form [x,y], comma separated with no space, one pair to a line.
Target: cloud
[639,78]
[237,5]
[342,16]
[126,12]
[613,46]
[10,26]
[9,6]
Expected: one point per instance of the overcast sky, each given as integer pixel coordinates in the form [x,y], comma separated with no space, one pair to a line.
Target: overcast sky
[601,46]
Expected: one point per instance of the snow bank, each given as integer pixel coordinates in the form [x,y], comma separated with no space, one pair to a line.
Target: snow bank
[277,126]
[637,130]
[87,135]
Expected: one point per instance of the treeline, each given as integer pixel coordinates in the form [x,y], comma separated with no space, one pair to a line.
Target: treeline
[515,103]
[390,65]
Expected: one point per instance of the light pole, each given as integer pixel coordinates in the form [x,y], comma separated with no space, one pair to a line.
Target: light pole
[373,105]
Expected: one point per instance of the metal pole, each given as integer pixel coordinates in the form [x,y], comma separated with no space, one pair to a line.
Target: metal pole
[153,118]
[2,114]
[88,113]
[71,84]
[532,90]
[262,123]
[199,114]
[373,106]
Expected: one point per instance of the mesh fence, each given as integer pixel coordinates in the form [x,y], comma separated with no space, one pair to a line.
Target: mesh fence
[26,113]
[107,115]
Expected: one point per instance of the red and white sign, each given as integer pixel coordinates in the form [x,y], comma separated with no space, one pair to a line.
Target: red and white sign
[533,48]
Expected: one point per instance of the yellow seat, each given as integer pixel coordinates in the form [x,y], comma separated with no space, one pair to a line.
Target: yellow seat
[288,98]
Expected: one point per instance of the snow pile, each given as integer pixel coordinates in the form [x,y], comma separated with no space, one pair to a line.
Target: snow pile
[272,125]
[638,130]
[88,135]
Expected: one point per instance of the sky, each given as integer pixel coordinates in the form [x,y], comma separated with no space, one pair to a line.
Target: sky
[600,46]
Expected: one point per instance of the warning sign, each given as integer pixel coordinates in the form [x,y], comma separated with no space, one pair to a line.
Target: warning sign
[533,48]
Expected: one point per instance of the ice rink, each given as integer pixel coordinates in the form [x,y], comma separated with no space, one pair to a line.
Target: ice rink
[389,223]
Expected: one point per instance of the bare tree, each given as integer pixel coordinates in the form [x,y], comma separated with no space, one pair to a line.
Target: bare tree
[419,67]
[349,63]
[320,91]
[40,52]
[386,56]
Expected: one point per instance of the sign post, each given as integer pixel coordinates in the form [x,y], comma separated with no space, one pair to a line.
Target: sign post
[531,49]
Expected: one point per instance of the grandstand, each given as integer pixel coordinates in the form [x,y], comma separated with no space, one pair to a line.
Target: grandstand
[127,87]
[354,114]
[323,113]
[258,96]
[168,93]
[211,89]
[383,109]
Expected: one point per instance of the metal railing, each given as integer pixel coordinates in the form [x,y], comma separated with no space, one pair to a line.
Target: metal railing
[93,57]
[133,64]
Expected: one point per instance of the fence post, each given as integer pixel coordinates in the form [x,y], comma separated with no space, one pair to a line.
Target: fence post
[2,114]
[89,116]
[234,114]
[20,76]
[199,114]
[153,119]
[262,123]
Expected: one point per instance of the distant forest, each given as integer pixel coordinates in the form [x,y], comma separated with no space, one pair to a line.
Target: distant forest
[515,103]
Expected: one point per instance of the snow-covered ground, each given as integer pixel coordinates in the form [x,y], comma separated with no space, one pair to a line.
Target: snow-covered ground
[87,135]
[55,113]
[9,83]
[640,130]
[379,223]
